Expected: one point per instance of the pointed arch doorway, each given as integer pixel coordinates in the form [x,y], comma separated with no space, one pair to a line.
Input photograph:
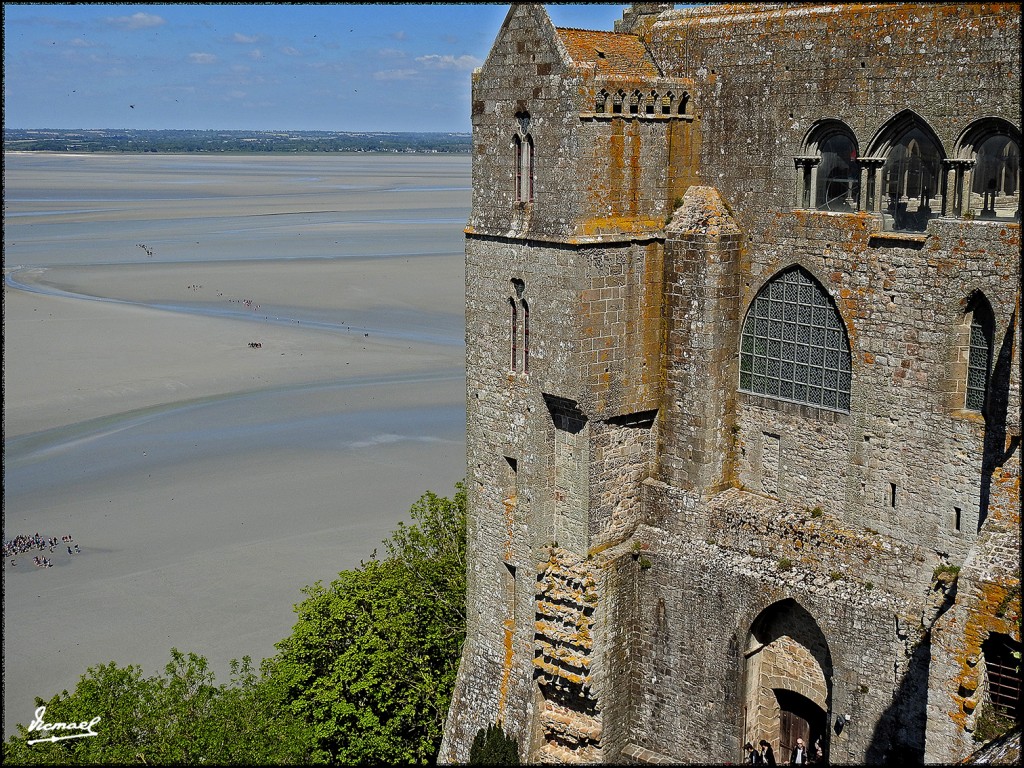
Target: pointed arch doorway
[788,674]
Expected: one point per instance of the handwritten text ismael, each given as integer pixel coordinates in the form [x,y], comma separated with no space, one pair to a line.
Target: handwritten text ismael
[39,724]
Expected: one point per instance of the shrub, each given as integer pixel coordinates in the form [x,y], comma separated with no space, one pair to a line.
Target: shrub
[492,746]
[947,574]
[991,724]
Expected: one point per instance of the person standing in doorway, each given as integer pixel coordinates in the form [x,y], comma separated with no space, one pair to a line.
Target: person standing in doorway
[799,756]
[753,758]
[819,755]
[767,753]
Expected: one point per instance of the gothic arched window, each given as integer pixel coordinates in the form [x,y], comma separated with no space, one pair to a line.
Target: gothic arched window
[910,180]
[530,168]
[524,168]
[794,344]
[994,189]
[979,354]
[839,173]
[517,144]
[513,335]
[526,336]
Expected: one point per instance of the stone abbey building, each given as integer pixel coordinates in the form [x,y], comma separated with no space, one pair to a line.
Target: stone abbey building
[743,384]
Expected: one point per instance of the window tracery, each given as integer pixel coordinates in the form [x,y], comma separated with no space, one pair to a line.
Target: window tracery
[979,353]
[524,161]
[829,172]
[907,184]
[794,344]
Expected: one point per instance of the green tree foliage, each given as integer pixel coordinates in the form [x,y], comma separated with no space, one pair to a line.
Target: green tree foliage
[365,677]
[371,661]
[492,746]
[178,717]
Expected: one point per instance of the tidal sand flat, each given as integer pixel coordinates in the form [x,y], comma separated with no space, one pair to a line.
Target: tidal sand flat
[248,404]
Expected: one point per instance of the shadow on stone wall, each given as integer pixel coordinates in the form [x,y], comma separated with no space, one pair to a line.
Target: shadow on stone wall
[898,738]
[996,450]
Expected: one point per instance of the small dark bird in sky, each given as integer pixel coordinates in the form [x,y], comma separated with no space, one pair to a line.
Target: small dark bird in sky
[132,106]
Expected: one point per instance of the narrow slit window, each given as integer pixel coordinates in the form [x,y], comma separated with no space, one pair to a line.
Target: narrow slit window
[892,495]
[518,143]
[957,515]
[513,320]
[526,337]
[530,166]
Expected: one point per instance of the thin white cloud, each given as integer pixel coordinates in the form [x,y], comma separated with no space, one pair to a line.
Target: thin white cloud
[256,54]
[289,51]
[238,37]
[137,21]
[78,42]
[390,53]
[461,63]
[399,35]
[202,58]
[394,74]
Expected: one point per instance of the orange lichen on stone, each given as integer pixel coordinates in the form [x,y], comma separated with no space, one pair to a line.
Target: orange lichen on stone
[991,599]
[510,506]
[506,667]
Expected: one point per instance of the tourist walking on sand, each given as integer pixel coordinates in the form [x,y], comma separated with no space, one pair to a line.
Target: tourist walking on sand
[767,753]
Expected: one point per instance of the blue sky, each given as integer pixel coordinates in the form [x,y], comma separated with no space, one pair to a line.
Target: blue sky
[253,67]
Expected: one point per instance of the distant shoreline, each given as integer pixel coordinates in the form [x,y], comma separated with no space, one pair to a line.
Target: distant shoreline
[127,141]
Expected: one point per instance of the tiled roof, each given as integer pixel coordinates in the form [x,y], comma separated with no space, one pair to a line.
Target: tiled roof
[614,53]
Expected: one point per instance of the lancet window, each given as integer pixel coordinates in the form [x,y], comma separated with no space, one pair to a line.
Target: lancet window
[519,328]
[525,169]
[979,353]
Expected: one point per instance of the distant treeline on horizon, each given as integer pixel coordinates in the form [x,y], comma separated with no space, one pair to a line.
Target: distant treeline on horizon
[176,141]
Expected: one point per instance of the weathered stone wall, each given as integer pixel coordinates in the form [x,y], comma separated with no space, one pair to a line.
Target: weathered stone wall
[622,456]
[636,521]
[698,603]
[763,74]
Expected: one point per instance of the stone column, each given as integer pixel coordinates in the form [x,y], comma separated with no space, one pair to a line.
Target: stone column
[870,193]
[805,180]
[955,170]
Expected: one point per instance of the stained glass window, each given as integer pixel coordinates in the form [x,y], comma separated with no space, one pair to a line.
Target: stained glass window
[794,344]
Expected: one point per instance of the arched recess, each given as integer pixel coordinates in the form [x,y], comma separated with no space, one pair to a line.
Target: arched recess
[832,182]
[908,188]
[987,170]
[788,674]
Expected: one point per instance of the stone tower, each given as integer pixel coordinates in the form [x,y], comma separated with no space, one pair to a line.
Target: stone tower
[743,383]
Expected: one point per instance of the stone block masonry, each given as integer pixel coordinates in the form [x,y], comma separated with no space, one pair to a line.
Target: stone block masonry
[743,383]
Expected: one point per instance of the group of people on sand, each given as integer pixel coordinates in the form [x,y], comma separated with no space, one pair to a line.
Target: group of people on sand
[763,754]
[22,544]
